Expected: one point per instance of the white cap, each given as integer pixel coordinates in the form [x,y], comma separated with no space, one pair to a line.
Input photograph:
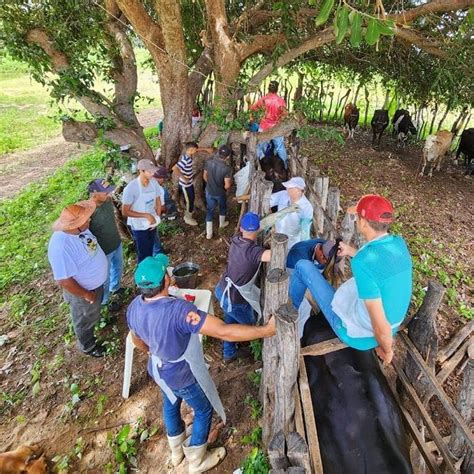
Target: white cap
[295,182]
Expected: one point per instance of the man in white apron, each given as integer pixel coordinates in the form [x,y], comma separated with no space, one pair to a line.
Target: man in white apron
[168,329]
[296,225]
[367,310]
[237,293]
[141,204]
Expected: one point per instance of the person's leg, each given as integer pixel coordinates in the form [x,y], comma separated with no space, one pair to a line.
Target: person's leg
[229,348]
[195,397]
[172,416]
[84,318]
[211,204]
[261,147]
[116,270]
[188,194]
[155,236]
[139,236]
[280,150]
[105,297]
[190,191]
[222,210]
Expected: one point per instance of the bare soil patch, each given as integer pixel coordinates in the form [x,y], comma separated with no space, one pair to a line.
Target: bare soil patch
[439,209]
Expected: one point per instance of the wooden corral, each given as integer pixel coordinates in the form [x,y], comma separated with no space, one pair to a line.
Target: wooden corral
[289,426]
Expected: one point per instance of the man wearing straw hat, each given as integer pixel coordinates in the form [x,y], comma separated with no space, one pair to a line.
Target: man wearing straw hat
[80,268]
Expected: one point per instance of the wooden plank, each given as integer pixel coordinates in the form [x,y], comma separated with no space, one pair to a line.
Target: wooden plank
[311,430]
[453,362]
[325,347]
[446,352]
[438,391]
[437,438]
[297,451]
[299,423]
[276,451]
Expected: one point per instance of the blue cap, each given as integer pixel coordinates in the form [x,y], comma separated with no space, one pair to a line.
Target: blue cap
[100,186]
[250,222]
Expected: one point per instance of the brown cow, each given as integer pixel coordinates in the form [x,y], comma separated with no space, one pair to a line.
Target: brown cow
[436,146]
[351,118]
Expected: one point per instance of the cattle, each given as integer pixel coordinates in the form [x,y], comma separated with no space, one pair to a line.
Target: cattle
[275,171]
[403,126]
[351,118]
[466,147]
[436,146]
[360,429]
[379,123]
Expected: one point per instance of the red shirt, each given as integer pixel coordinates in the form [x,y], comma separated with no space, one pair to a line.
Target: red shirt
[274,105]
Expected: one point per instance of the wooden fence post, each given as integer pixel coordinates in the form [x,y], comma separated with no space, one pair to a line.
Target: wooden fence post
[334,197]
[260,191]
[321,188]
[275,294]
[279,246]
[288,349]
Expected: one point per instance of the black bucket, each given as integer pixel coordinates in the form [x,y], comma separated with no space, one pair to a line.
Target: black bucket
[186,275]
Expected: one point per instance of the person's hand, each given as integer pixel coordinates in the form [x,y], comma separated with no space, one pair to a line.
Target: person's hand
[151,219]
[271,326]
[345,250]
[386,357]
[90,296]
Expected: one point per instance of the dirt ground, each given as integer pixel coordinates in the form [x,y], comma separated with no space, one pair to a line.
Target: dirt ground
[21,168]
[438,207]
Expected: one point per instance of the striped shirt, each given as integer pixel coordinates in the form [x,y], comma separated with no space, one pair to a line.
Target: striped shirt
[185,165]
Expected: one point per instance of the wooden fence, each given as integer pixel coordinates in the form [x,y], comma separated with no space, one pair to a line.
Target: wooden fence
[289,426]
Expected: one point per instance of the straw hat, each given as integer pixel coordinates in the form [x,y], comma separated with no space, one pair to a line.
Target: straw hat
[75,215]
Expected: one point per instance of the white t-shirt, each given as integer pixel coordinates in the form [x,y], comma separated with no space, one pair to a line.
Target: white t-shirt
[78,256]
[142,199]
[295,225]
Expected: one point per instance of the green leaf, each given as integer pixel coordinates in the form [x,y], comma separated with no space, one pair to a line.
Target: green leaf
[356,30]
[324,13]
[372,34]
[311,2]
[36,388]
[123,434]
[386,27]
[341,23]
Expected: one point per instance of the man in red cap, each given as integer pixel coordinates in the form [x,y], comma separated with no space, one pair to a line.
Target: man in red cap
[367,310]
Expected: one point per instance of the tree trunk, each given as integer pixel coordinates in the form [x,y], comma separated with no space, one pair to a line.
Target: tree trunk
[435,112]
[443,118]
[366,93]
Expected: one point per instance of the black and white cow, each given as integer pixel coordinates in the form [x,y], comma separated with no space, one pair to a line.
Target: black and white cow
[403,126]
[379,123]
[466,147]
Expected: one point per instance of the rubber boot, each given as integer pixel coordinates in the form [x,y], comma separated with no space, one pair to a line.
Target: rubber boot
[200,459]
[208,230]
[223,222]
[176,446]
[188,218]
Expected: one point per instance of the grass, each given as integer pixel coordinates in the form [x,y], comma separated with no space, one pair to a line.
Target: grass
[25,221]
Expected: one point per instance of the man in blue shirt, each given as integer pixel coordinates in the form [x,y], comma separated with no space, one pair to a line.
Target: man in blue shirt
[167,328]
[317,251]
[367,310]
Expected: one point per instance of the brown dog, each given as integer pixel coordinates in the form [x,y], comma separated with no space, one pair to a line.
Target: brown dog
[25,459]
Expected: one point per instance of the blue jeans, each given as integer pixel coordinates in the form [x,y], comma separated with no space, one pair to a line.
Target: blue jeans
[188,194]
[279,146]
[145,240]
[307,276]
[114,275]
[195,397]
[240,314]
[212,202]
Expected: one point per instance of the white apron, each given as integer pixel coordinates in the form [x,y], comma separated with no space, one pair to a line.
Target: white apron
[249,292]
[194,356]
[145,203]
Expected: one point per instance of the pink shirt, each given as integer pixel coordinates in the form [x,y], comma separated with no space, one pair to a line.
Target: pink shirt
[274,105]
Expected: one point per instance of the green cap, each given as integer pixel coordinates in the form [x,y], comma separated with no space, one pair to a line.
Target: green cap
[151,271]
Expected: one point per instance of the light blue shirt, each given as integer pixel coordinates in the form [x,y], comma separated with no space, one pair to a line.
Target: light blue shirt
[78,256]
[382,268]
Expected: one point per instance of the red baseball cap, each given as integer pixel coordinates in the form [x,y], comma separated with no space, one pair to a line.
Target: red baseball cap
[374,207]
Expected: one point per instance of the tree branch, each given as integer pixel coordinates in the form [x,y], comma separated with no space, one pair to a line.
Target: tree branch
[411,37]
[259,44]
[282,129]
[202,68]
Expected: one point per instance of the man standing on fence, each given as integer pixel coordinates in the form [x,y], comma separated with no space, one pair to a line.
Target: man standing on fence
[237,292]
[275,110]
[218,177]
[168,330]
[367,310]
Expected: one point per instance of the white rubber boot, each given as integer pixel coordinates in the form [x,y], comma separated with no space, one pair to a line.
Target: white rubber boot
[200,459]
[188,218]
[208,230]
[176,446]
[223,222]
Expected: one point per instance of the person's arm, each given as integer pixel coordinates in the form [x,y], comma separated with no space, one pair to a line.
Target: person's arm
[128,212]
[71,285]
[382,329]
[204,175]
[139,344]
[283,112]
[217,328]
[346,250]
[266,256]
[178,173]
[227,183]
[158,206]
